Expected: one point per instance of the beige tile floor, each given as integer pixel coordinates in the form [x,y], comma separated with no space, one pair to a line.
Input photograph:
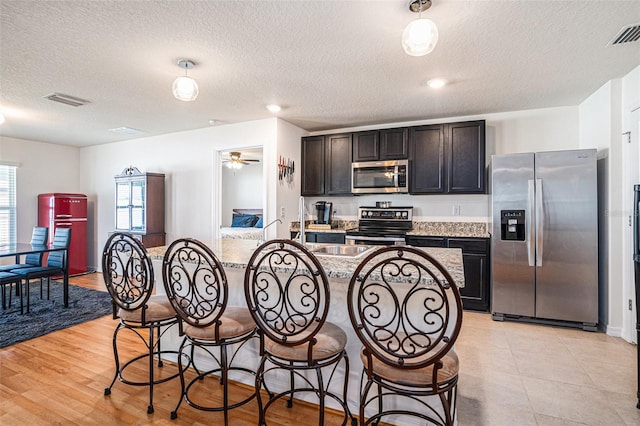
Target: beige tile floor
[524,374]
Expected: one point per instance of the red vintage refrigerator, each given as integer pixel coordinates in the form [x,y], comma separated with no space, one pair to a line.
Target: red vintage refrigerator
[59,210]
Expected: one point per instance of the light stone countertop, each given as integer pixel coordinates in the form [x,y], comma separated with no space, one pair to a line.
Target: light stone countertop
[450,229]
[420,228]
[235,254]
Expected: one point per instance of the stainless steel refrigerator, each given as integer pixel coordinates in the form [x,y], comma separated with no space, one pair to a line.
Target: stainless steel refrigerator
[545,237]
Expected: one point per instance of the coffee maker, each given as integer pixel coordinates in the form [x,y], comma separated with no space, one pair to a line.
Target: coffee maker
[324,210]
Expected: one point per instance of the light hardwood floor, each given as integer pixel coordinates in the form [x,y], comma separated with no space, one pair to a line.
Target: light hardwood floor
[511,374]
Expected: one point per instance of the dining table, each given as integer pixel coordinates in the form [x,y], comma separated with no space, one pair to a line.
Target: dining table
[17,250]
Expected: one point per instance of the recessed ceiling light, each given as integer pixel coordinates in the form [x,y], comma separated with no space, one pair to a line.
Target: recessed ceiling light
[436,83]
[212,122]
[274,108]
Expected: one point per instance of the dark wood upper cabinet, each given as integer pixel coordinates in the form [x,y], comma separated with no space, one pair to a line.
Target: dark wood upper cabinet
[338,164]
[313,159]
[444,158]
[426,146]
[466,157]
[366,146]
[448,158]
[394,144]
[381,145]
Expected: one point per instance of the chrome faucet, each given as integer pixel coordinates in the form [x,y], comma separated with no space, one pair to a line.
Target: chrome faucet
[301,219]
[264,230]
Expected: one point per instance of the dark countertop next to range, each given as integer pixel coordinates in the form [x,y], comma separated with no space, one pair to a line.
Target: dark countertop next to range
[420,228]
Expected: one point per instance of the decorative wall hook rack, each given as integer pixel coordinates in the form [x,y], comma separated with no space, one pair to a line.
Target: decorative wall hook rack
[286,168]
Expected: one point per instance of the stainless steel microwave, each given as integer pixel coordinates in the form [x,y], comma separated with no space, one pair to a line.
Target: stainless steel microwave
[380,177]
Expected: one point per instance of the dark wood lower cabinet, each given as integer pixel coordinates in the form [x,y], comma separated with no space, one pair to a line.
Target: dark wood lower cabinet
[475,257]
[322,237]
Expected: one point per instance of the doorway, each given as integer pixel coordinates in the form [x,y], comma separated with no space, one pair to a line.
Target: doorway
[241,184]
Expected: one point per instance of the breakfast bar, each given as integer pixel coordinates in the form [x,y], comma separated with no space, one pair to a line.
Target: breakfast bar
[339,266]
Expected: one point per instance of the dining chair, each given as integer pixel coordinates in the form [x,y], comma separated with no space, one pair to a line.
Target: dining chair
[8,279]
[287,292]
[56,265]
[407,312]
[39,236]
[196,285]
[129,278]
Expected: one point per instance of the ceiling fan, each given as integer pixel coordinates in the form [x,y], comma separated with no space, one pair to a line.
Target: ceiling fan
[235,162]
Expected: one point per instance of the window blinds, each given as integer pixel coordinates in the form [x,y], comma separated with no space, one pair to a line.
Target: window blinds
[7,204]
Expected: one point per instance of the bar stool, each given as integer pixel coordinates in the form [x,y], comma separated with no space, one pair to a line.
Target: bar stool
[406,310]
[128,276]
[196,285]
[287,292]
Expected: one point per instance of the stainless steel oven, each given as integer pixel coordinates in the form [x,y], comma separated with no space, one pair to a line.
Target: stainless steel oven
[381,226]
[379,177]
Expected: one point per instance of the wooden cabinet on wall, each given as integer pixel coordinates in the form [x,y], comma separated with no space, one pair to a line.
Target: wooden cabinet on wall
[140,205]
[312,165]
[465,156]
[448,158]
[338,164]
[326,165]
[380,145]
[475,258]
[444,158]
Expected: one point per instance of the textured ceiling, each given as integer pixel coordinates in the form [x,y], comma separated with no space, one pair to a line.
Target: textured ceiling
[330,64]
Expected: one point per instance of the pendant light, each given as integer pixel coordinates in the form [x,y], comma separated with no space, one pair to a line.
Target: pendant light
[420,36]
[185,88]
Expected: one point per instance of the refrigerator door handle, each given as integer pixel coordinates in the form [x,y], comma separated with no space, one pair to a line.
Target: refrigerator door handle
[530,230]
[539,223]
[64,224]
[63,216]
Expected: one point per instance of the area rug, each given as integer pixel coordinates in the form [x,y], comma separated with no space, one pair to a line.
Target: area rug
[46,316]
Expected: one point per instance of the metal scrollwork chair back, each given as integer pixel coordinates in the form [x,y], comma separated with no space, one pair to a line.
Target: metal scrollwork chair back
[196,284]
[406,310]
[129,277]
[128,272]
[288,294]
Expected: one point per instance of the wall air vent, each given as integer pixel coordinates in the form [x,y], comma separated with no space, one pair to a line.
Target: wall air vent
[626,35]
[66,99]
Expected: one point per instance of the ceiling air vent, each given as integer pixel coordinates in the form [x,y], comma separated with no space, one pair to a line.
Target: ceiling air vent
[127,131]
[626,35]
[66,99]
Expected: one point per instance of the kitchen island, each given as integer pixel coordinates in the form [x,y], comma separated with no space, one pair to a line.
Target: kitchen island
[234,256]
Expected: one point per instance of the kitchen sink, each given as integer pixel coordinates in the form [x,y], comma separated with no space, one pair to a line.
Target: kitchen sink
[341,250]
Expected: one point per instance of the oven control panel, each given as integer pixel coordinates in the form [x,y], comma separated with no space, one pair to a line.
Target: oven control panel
[389,214]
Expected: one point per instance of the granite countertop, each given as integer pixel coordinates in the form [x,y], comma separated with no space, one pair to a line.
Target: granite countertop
[450,229]
[236,254]
[420,228]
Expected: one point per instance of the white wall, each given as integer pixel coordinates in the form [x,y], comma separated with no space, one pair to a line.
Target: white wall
[44,168]
[188,161]
[288,191]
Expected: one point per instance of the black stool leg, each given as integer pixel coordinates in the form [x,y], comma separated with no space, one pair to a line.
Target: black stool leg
[151,346]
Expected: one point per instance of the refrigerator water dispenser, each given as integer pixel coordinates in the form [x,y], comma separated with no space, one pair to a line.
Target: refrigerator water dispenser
[512,225]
